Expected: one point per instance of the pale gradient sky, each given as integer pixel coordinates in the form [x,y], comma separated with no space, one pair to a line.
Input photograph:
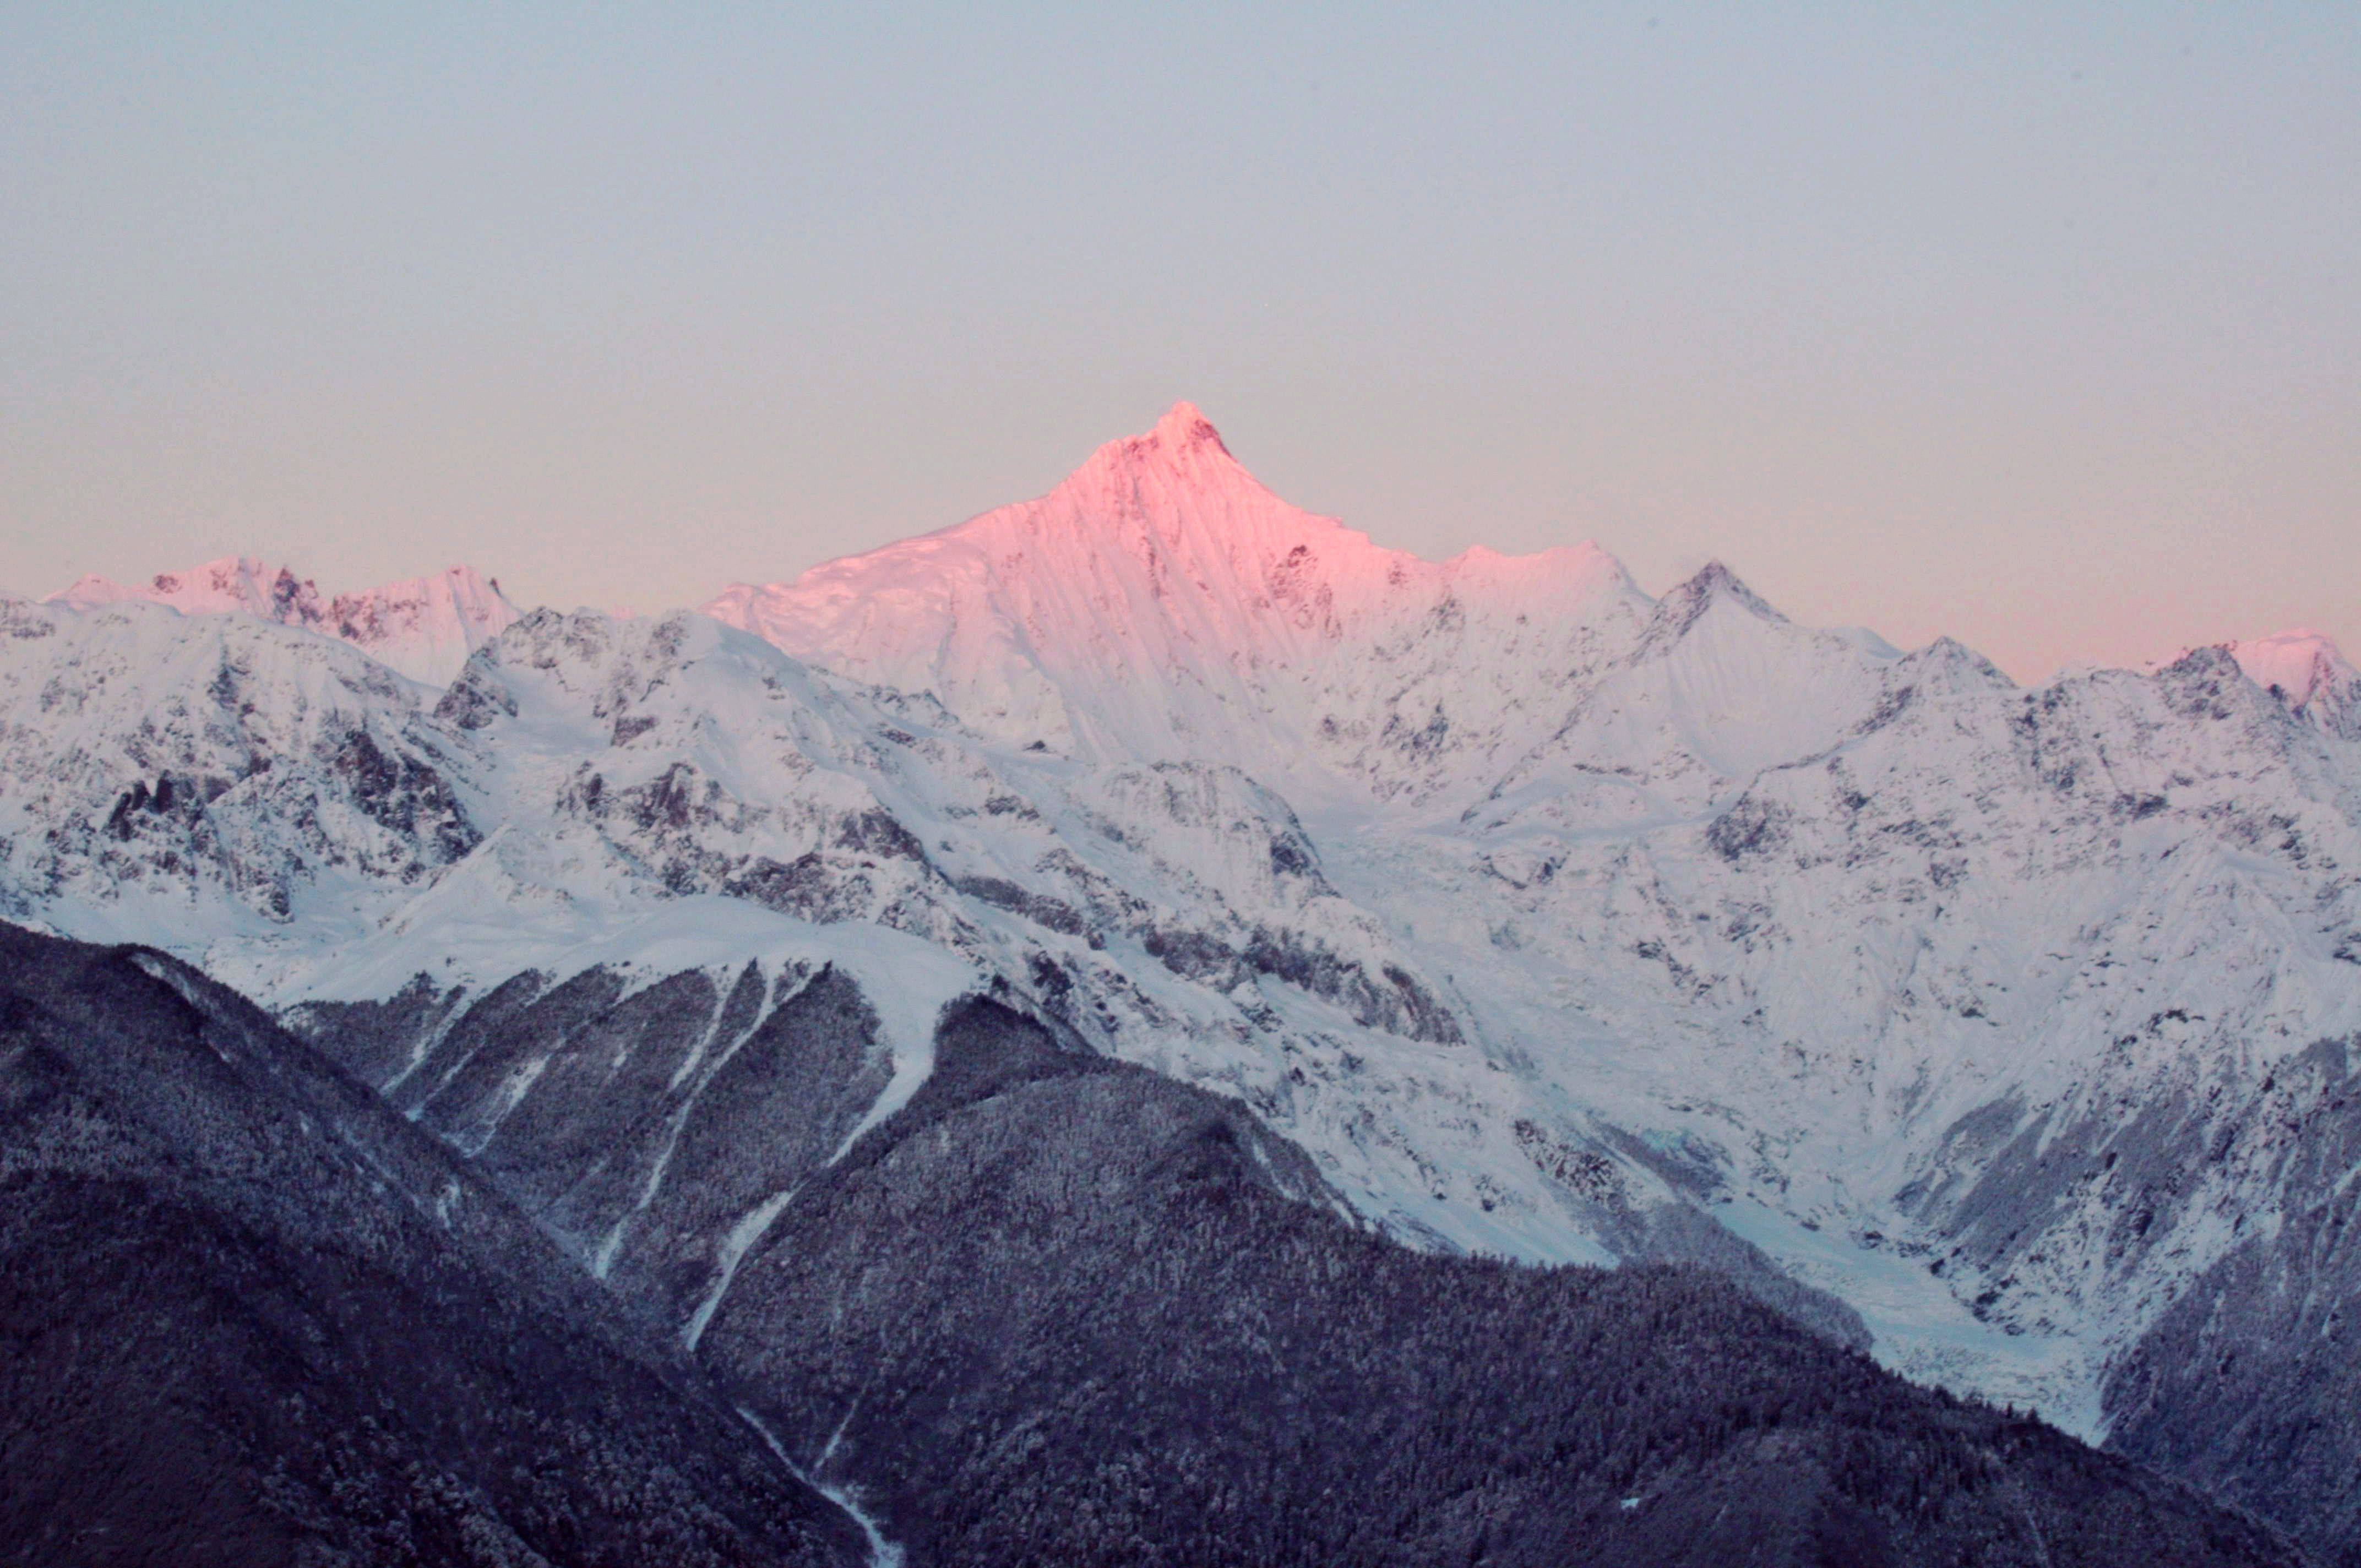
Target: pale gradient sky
[2040,329]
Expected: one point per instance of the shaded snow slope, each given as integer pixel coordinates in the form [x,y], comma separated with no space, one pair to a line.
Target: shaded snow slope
[423,627]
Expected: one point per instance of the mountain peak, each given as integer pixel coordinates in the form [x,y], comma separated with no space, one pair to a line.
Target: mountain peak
[1184,427]
[1160,602]
[423,627]
[2297,663]
[2306,670]
[1685,604]
[1175,477]
[1714,580]
[1182,448]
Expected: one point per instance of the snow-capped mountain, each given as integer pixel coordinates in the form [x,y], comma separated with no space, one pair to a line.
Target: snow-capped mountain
[1554,920]
[2309,673]
[672,792]
[1160,604]
[423,627]
[1877,892]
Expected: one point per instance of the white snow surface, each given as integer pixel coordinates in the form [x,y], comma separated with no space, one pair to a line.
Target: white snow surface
[423,626]
[2310,672]
[1524,902]
[2298,663]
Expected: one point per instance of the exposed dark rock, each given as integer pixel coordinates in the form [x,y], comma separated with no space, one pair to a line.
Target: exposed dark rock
[1041,909]
[804,887]
[877,833]
[1400,1005]
[477,698]
[1750,827]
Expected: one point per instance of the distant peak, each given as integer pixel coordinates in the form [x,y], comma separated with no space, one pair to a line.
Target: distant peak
[1949,653]
[421,626]
[1184,427]
[1685,604]
[1182,451]
[2297,663]
[1714,581]
[1182,440]
[2300,640]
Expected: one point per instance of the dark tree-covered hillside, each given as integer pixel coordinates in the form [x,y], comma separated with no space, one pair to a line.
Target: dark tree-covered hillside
[250,1315]
[1061,1310]
[1058,1309]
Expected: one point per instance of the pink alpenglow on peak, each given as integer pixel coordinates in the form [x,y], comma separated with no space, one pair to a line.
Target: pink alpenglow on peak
[2309,673]
[1183,427]
[2298,663]
[1160,604]
[2305,670]
[237,583]
[423,628]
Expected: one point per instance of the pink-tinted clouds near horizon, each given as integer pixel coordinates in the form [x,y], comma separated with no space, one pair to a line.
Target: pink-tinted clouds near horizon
[2040,327]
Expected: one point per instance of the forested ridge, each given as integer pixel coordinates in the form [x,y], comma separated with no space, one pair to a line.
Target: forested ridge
[1063,1309]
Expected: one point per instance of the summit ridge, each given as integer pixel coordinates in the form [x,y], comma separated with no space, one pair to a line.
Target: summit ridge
[423,626]
[1159,600]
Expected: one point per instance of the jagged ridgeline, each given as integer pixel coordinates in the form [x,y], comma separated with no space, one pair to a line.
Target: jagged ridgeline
[2008,1034]
[1055,1307]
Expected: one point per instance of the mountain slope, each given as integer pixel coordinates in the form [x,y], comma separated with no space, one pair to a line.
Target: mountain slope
[423,626]
[2246,1383]
[201,778]
[1842,926]
[572,798]
[252,1315]
[1057,1308]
